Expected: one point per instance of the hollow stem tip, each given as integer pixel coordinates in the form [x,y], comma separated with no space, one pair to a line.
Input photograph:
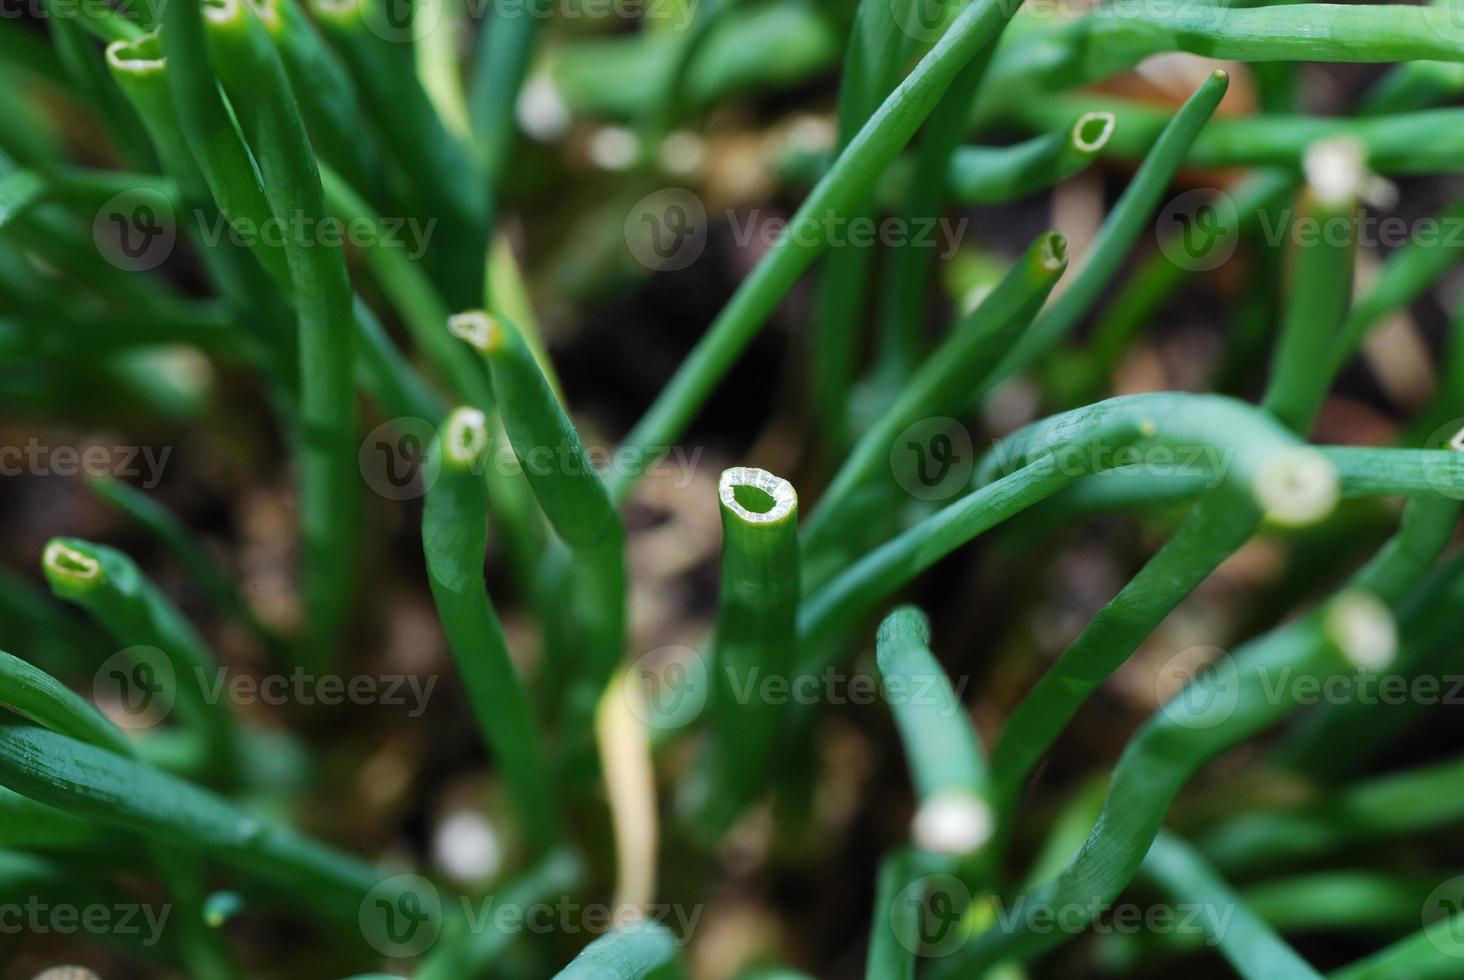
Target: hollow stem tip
[1297,486]
[1363,628]
[224,11]
[755,496]
[70,570]
[1092,131]
[481,330]
[1052,252]
[464,437]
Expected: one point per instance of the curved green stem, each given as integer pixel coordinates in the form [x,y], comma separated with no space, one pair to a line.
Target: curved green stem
[454,536]
[1250,946]
[109,586]
[942,385]
[253,75]
[945,758]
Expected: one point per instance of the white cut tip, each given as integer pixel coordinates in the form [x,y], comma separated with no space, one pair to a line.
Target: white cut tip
[465,435]
[1296,487]
[615,148]
[1364,630]
[1336,170]
[756,496]
[1092,131]
[953,821]
[478,328]
[542,112]
[63,561]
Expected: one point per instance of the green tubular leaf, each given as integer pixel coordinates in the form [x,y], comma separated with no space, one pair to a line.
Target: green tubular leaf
[140,69]
[1361,473]
[210,133]
[78,53]
[991,175]
[253,76]
[454,535]
[1220,523]
[768,46]
[570,492]
[33,826]
[1392,806]
[864,584]
[325,92]
[893,922]
[385,373]
[1290,483]
[943,383]
[114,791]
[910,268]
[877,54]
[848,182]
[1345,737]
[505,48]
[1422,141]
[1246,942]
[1330,901]
[27,50]
[32,692]
[1128,218]
[1369,472]
[1432,953]
[1321,287]
[470,952]
[1413,85]
[1077,51]
[108,585]
[549,449]
[1212,713]
[756,634]
[20,190]
[446,182]
[637,951]
[945,759]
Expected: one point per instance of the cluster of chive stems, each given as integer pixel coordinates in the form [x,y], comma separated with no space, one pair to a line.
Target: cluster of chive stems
[263,109]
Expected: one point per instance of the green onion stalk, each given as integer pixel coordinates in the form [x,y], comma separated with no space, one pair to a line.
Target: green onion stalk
[756,635]
[454,536]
